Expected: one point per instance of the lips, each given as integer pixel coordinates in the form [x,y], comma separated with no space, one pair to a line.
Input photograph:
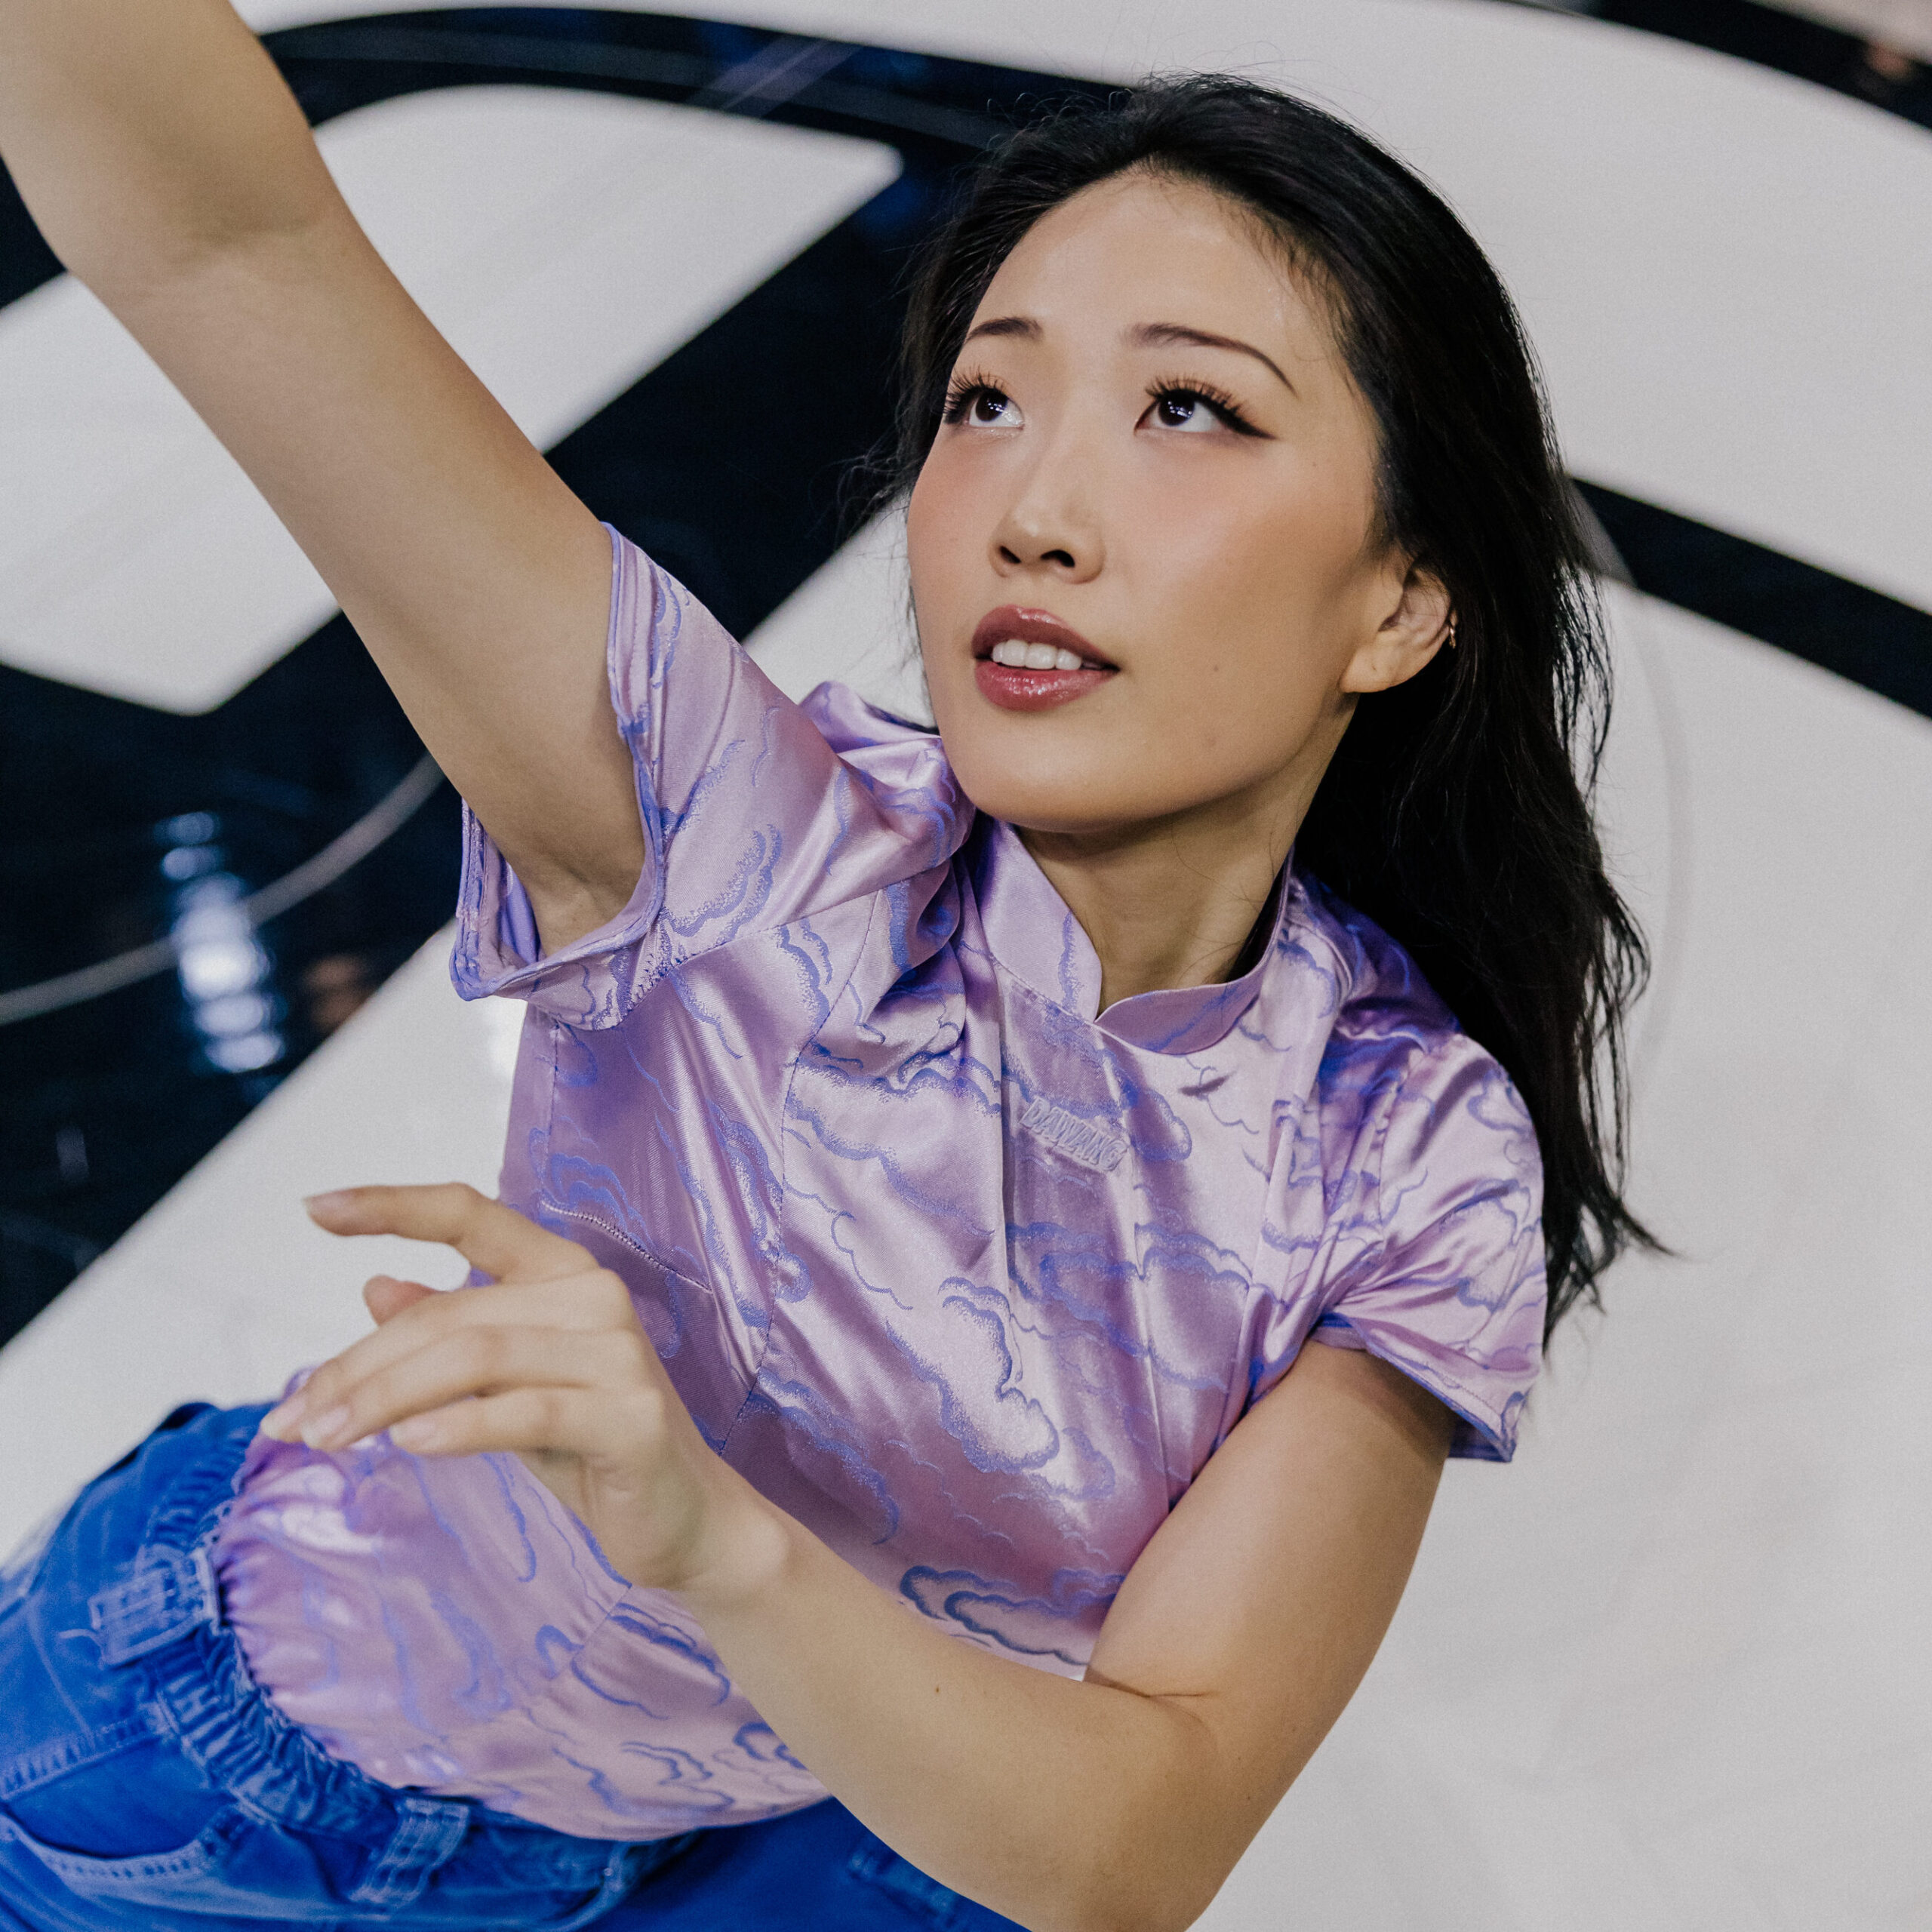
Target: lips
[1035,687]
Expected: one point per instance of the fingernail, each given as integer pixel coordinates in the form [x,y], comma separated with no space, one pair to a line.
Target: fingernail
[327,1203]
[418,1432]
[322,1432]
[279,1423]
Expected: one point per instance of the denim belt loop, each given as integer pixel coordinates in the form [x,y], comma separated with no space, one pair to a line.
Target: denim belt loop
[427,1835]
[165,1593]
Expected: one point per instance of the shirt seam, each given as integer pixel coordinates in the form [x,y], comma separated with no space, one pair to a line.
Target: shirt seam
[1423,1057]
[722,1298]
[644,726]
[1491,1430]
[785,1145]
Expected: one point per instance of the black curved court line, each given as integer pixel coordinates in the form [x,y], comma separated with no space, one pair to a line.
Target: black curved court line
[1861,635]
[731,462]
[940,111]
[1807,49]
[937,112]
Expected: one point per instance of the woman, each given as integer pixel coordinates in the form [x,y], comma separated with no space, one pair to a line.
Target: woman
[929,1154]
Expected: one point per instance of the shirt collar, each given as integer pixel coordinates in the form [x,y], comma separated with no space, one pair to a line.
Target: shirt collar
[1034,936]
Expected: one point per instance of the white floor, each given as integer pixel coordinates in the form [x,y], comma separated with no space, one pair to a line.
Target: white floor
[535,227]
[1670,1669]
[1670,1672]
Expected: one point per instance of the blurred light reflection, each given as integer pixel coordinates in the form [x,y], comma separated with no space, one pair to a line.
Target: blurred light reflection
[222,964]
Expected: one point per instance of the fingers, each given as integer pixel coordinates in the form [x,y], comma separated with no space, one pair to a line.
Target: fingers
[472,1362]
[384,1295]
[487,1235]
[593,1307]
[546,1420]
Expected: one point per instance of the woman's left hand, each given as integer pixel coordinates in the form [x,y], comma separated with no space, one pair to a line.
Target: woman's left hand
[549,1361]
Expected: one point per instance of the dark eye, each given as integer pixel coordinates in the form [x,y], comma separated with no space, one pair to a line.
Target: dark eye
[980,406]
[1189,406]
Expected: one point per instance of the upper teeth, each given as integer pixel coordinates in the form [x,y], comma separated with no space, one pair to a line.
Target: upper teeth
[1024,656]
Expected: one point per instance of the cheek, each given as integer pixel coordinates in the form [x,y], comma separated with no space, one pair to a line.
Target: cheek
[939,545]
[1250,584]
[1288,520]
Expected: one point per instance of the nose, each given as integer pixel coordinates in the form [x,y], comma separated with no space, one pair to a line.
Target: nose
[1051,527]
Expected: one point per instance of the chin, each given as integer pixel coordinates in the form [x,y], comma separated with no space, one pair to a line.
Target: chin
[1070,771]
[1064,801]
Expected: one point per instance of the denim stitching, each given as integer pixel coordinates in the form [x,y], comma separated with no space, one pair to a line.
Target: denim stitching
[193,1860]
[426,1836]
[164,1594]
[196,1692]
[70,1753]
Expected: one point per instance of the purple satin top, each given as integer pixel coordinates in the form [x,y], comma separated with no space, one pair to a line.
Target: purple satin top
[968,1277]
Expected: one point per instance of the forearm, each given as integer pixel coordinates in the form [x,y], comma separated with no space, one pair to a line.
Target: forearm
[1070,1806]
[144,134]
[1118,1804]
[172,171]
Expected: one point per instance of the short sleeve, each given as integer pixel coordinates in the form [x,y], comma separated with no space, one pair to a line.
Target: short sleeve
[755,811]
[1451,1289]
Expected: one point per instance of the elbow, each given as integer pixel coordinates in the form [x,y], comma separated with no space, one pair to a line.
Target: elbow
[1148,1854]
[1165,1913]
[1167,1892]
[1157,1862]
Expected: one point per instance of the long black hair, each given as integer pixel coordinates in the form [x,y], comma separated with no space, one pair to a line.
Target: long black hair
[1456,814]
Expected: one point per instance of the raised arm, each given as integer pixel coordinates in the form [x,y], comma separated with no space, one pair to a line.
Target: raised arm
[172,171]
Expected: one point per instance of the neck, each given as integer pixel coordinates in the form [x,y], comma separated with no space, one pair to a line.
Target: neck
[1172,901]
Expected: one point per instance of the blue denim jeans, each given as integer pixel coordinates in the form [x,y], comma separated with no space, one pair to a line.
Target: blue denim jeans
[145,1782]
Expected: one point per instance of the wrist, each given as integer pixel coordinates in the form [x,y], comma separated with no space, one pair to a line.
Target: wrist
[748,1546]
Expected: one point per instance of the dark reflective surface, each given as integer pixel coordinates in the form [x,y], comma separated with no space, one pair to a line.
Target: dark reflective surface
[1828,56]
[117,822]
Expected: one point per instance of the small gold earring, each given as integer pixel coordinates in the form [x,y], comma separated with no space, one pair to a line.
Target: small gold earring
[1451,639]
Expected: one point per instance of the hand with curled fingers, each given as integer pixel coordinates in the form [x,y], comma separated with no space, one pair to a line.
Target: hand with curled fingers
[549,1361]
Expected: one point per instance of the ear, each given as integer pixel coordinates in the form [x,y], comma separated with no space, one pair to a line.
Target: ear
[1408,636]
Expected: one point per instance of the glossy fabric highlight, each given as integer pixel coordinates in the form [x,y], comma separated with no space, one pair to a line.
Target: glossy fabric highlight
[970,1278]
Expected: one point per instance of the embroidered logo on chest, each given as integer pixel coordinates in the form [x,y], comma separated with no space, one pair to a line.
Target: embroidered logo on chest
[1078,1139]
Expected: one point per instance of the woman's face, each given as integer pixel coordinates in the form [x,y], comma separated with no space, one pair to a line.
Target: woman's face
[1155,462]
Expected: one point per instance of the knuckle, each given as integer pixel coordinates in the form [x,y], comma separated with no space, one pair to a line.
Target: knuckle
[645,1409]
[485,1351]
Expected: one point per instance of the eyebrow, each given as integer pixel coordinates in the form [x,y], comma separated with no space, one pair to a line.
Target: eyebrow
[1149,334]
[1019,325]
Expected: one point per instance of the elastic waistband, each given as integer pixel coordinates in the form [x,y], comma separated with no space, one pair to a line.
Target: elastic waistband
[168,1589]
[162,1615]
